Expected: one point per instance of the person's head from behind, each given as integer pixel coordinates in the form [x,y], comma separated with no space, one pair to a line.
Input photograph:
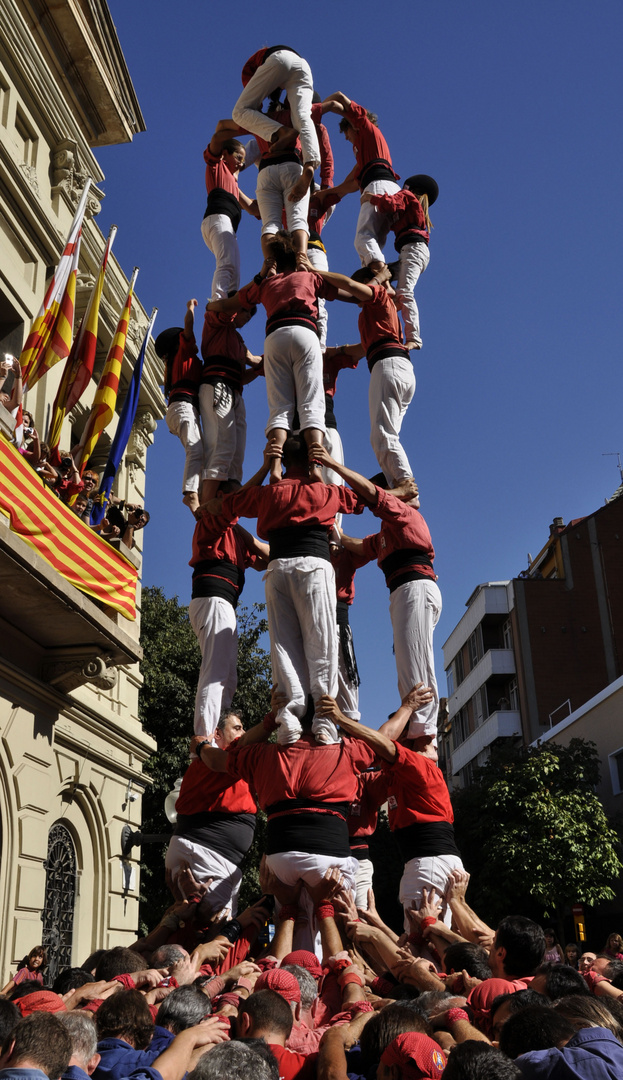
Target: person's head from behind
[228,728]
[125,1016]
[538,1027]
[233,154]
[307,984]
[469,957]
[349,132]
[9,1018]
[518,948]
[117,961]
[186,1007]
[587,1011]
[384,1027]
[232,1061]
[506,1005]
[601,963]
[412,1056]
[167,955]
[265,1014]
[40,1041]
[282,250]
[295,454]
[477,1061]
[71,979]
[557,980]
[83,1034]
[242,317]
[365,276]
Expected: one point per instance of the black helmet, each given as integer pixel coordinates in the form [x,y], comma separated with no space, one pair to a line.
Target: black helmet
[421,184]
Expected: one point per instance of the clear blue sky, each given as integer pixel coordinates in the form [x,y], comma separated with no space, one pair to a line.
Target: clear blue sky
[515,110]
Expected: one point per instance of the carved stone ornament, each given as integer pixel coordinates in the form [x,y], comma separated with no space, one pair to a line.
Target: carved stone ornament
[141,436]
[30,173]
[73,671]
[69,176]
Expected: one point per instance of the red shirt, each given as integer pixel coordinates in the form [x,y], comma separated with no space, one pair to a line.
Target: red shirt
[406,210]
[331,369]
[417,790]
[220,337]
[182,379]
[373,791]
[317,214]
[215,539]
[294,1066]
[205,790]
[303,770]
[292,501]
[218,175]
[345,564]
[369,142]
[378,319]
[294,292]
[403,527]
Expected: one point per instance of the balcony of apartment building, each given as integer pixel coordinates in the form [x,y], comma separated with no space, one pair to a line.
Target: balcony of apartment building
[67,597]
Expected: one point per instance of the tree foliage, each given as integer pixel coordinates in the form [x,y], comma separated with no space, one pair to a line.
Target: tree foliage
[170,669]
[533,831]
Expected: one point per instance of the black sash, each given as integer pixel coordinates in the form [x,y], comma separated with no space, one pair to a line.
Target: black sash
[218,577]
[426,839]
[399,567]
[223,202]
[313,832]
[379,169]
[296,541]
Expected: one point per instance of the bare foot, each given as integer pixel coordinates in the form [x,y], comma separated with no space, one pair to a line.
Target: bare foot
[300,189]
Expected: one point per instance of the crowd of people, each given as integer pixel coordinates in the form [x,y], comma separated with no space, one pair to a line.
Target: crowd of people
[335,992]
[57,469]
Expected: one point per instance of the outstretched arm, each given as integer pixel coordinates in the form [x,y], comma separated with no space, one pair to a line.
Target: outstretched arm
[355,480]
[419,696]
[336,103]
[189,319]
[382,746]
[225,130]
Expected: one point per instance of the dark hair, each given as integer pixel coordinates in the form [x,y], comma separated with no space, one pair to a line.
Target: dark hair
[71,979]
[384,1027]
[282,250]
[614,972]
[295,452]
[363,275]
[562,979]
[536,1028]
[43,1039]
[37,951]
[477,1061]
[118,961]
[183,1008]
[91,962]
[9,1017]
[466,956]
[125,1015]
[29,986]
[268,1011]
[344,124]
[166,955]
[516,1002]
[524,942]
[232,145]
[587,1011]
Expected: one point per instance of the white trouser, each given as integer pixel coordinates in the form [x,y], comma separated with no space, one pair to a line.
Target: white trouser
[290,867]
[392,386]
[214,622]
[365,869]
[218,232]
[293,369]
[226,876]
[293,74]
[414,609]
[300,604]
[414,258]
[183,420]
[372,225]
[347,695]
[224,437]
[333,444]
[274,184]
[318,259]
[430,872]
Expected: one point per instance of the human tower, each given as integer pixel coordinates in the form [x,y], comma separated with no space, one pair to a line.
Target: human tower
[311,778]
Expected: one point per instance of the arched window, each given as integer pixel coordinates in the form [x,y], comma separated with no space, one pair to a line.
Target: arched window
[60,899]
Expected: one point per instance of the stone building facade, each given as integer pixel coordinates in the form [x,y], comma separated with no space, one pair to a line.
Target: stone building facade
[71,745]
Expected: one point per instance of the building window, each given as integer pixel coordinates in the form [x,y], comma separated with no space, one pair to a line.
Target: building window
[450,681]
[513,693]
[4,102]
[474,648]
[460,727]
[60,898]
[27,138]
[479,712]
[507,635]
[459,673]
[616,772]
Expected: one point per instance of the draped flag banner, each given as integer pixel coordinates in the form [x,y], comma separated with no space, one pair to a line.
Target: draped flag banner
[81,359]
[61,538]
[103,408]
[50,336]
[122,433]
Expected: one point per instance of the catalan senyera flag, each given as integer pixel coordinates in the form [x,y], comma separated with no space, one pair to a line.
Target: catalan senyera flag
[122,433]
[81,359]
[103,408]
[50,336]
[61,538]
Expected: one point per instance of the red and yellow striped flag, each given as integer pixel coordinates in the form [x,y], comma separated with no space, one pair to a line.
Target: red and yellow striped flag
[103,408]
[81,359]
[50,336]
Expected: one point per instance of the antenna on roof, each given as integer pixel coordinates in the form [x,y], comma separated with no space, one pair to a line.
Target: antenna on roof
[616,454]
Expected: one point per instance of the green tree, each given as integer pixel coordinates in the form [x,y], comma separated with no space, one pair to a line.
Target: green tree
[170,669]
[534,833]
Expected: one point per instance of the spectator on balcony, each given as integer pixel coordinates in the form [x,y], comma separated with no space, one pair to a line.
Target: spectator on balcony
[68,482]
[81,506]
[28,970]
[13,399]
[46,471]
